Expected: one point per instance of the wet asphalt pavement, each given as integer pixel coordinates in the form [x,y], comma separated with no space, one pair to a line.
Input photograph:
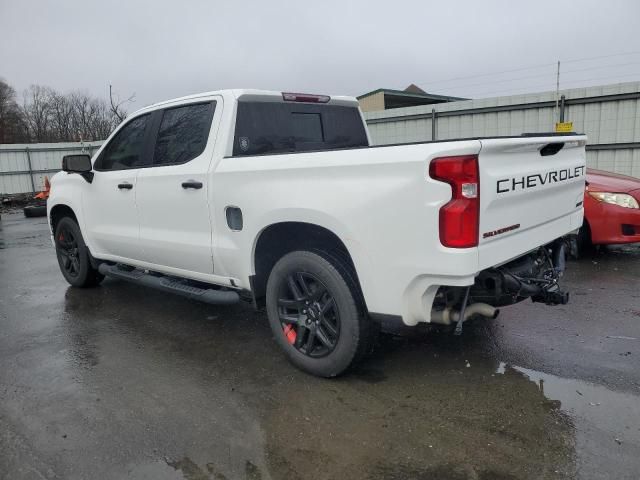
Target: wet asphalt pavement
[123,382]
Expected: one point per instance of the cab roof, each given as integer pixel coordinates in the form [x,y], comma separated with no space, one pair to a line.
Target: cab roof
[236,94]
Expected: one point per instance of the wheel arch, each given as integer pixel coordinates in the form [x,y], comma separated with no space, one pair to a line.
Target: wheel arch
[58,212]
[277,239]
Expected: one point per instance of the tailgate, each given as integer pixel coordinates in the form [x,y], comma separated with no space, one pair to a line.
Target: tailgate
[531,192]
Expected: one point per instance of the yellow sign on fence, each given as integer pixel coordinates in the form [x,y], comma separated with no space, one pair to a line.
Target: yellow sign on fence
[564,126]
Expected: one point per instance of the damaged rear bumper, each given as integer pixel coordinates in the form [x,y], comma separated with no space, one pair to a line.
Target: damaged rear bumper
[535,275]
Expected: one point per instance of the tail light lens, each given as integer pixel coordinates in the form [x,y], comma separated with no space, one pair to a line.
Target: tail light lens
[460,217]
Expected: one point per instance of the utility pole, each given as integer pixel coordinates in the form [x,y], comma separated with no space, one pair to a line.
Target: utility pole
[555,111]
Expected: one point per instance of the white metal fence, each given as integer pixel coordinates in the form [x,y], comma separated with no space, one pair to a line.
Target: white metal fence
[609,115]
[24,166]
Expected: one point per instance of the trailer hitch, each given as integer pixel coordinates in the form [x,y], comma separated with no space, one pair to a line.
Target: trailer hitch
[552,298]
[549,291]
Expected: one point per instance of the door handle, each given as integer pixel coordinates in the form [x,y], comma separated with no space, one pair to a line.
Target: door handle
[192,184]
[125,186]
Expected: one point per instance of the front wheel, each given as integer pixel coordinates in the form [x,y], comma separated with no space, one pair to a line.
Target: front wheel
[316,313]
[73,255]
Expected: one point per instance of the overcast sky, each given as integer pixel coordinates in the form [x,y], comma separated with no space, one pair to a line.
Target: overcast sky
[166,48]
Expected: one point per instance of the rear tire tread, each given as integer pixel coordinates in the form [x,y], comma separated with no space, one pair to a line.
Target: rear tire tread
[364,332]
[369,328]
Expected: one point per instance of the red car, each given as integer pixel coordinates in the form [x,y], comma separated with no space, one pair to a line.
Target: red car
[611,209]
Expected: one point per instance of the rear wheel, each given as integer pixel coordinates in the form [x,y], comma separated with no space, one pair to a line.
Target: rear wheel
[73,255]
[585,246]
[316,313]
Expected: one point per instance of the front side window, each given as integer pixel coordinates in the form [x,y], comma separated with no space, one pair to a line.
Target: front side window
[183,133]
[125,150]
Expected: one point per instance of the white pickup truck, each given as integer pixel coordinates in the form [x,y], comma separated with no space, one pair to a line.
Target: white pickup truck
[279,199]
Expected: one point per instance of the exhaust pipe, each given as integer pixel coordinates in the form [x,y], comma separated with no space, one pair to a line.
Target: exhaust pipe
[449,315]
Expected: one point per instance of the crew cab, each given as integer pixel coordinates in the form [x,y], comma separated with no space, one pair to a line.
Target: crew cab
[280,200]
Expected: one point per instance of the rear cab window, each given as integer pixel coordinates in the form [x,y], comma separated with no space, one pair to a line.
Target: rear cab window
[272,127]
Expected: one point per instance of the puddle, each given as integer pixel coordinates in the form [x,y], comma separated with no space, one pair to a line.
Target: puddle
[607,423]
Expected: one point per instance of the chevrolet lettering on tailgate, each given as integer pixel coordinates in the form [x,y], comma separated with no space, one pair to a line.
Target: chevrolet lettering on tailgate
[536,179]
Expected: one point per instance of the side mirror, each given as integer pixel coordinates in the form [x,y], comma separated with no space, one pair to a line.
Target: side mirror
[80,163]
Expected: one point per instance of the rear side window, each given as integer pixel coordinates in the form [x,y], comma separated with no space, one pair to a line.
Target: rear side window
[183,133]
[277,127]
[125,150]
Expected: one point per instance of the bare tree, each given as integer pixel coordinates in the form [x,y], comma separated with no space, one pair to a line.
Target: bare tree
[7,99]
[103,120]
[37,112]
[116,104]
[51,116]
[81,115]
[61,110]
[13,128]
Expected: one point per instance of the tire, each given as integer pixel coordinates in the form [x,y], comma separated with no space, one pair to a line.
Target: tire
[585,245]
[73,255]
[316,313]
[35,211]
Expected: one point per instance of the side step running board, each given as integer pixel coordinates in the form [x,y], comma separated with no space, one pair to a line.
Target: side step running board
[175,285]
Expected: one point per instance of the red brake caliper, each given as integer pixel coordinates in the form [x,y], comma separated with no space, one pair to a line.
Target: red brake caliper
[290,333]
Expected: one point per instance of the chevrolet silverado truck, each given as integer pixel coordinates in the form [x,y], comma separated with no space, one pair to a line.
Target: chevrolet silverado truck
[279,199]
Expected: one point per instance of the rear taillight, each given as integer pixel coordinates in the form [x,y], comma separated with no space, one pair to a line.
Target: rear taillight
[305,97]
[460,217]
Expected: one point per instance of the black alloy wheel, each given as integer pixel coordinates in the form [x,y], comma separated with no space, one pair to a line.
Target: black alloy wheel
[73,255]
[316,312]
[308,314]
[68,251]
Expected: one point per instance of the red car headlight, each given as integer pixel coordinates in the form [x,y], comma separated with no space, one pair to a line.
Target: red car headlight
[621,199]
